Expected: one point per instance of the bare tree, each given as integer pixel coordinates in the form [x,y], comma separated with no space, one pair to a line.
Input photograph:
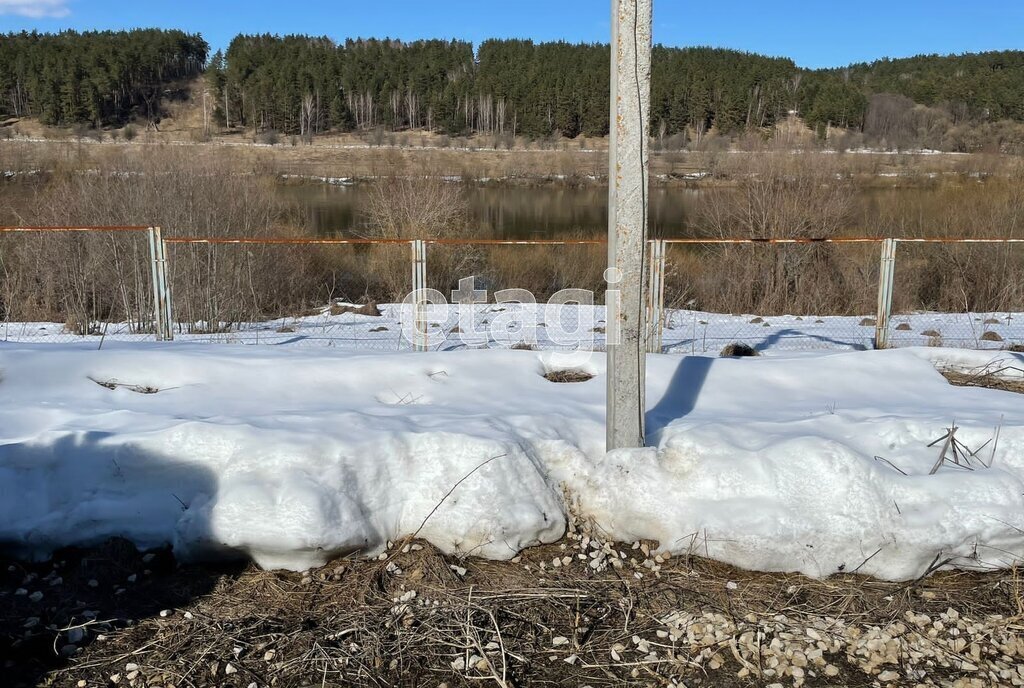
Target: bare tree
[309,118]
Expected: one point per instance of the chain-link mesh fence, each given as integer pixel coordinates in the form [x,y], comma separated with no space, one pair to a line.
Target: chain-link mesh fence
[61,286]
[505,294]
[74,284]
[290,291]
[962,294]
[769,295]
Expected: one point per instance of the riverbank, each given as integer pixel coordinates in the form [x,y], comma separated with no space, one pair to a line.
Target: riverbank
[572,162]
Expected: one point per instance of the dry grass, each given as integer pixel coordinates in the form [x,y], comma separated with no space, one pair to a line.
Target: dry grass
[342,157]
[231,191]
[738,350]
[417,617]
[568,376]
[781,195]
[419,207]
[577,161]
[989,378]
[369,309]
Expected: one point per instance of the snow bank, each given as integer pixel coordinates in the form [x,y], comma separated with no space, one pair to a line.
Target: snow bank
[293,456]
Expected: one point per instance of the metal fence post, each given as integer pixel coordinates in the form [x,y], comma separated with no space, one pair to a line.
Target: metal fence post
[886,274]
[159,321]
[656,296]
[166,290]
[419,284]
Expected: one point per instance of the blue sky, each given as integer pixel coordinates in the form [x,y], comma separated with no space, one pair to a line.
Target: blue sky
[814,33]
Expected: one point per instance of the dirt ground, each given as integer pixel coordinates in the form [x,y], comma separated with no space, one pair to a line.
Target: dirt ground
[605,615]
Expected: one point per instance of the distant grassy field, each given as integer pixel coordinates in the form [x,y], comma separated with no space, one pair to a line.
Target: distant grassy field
[577,161]
[26,145]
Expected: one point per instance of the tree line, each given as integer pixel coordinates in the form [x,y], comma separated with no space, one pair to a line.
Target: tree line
[297,84]
[307,85]
[97,77]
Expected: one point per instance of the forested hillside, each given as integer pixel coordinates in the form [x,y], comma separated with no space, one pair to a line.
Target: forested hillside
[298,85]
[94,77]
[305,85]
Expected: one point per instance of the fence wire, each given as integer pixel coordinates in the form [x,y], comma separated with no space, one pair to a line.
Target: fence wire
[963,295]
[535,295]
[65,286]
[770,296]
[299,292]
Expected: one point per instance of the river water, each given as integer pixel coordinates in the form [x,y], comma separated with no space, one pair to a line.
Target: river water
[552,211]
[514,212]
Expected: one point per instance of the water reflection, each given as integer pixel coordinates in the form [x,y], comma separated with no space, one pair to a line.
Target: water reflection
[513,212]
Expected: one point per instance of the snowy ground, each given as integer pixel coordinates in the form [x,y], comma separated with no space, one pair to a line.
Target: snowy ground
[813,462]
[572,327]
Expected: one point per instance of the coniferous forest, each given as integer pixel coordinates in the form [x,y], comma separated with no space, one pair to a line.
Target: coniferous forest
[95,78]
[305,85]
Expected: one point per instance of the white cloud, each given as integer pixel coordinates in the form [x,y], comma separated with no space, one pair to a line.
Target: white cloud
[35,9]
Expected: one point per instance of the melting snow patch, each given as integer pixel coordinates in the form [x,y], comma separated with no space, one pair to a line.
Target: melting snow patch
[816,463]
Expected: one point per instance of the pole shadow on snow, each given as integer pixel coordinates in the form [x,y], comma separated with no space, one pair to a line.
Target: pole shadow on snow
[775,337]
[770,341]
[680,396]
[51,610]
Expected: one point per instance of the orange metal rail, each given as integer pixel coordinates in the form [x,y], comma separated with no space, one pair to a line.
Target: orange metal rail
[808,240]
[328,242]
[961,241]
[503,242]
[249,240]
[75,229]
[516,242]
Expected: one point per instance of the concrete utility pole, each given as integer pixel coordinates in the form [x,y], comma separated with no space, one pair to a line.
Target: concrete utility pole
[627,219]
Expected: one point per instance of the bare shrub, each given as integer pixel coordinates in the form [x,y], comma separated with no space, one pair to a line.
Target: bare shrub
[220,286]
[777,196]
[960,277]
[168,187]
[416,207]
[78,279]
[780,195]
[270,137]
[104,276]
